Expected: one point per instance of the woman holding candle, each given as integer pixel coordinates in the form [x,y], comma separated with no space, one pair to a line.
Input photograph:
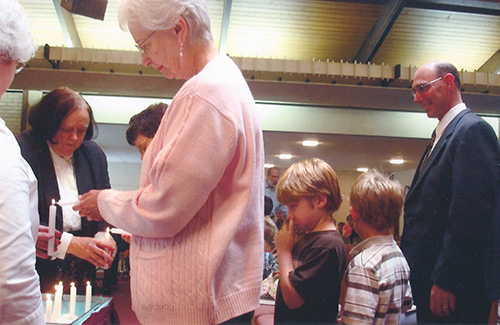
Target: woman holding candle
[196,252]
[20,298]
[67,163]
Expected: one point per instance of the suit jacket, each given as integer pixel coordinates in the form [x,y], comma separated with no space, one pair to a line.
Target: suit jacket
[91,171]
[449,209]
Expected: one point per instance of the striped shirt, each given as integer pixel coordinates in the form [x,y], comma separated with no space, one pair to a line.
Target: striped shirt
[378,283]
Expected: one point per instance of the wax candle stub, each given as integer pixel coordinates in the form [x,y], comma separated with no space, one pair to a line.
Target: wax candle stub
[48,308]
[88,296]
[72,299]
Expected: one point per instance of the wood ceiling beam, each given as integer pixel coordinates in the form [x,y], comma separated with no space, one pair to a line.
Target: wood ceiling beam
[492,64]
[347,96]
[481,7]
[225,26]
[380,30]
[68,26]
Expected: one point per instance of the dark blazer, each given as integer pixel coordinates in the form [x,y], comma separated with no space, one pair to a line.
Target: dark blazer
[449,209]
[91,170]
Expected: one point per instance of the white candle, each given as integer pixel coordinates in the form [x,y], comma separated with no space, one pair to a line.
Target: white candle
[56,313]
[88,296]
[52,228]
[117,231]
[72,299]
[108,235]
[48,308]
[68,202]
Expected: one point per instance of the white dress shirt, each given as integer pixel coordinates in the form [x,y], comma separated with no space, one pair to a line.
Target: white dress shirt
[20,297]
[66,181]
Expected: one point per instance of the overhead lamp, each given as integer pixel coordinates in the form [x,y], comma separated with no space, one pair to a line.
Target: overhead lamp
[285,156]
[310,143]
[268,165]
[396,161]
[362,169]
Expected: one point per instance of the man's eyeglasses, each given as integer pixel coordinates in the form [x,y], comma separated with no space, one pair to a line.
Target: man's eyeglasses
[20,66]
[421,88]
[143,49]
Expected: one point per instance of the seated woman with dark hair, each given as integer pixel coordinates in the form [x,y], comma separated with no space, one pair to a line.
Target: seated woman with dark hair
[143,126]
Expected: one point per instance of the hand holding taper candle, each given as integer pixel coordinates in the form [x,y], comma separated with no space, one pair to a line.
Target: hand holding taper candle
[43,239]
[88,206]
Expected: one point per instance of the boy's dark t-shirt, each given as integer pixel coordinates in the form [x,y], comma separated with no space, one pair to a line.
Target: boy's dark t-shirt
[320,261]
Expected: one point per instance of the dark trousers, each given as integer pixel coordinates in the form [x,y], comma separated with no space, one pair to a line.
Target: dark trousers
[473,313]
[242,319]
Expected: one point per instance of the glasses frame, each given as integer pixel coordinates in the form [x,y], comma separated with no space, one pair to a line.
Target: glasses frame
[142,147]
[421,88]
[139,46]
[20,65]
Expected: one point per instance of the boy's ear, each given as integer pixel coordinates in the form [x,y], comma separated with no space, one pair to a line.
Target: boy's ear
[353,213]
[322,200]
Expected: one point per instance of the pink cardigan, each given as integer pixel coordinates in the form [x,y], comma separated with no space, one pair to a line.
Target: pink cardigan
[197,220]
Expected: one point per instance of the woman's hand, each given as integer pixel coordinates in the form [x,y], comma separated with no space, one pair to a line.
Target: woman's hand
[88,205]
[92,250]
[42,241]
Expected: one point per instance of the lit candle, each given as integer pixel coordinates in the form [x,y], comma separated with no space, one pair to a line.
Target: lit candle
[48,308]
[56,313]
[52,228]
[88,296]
[72,299]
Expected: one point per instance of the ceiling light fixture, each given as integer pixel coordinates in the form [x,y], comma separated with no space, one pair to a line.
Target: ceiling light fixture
[397,161]
[268,165]
[310,143]
[285,156]
[362,169]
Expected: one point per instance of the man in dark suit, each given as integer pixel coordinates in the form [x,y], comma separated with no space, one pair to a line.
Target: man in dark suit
[449,207]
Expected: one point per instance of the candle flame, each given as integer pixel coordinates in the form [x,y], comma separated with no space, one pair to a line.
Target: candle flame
[88,283]
[72,284]
[53,201]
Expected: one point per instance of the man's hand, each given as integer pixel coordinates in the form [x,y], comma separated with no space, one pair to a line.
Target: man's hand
[442,301]
[88,205]
[42,241]
[92,250]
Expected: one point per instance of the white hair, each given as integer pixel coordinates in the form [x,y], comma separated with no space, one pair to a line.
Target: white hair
[164,14]
[16,42]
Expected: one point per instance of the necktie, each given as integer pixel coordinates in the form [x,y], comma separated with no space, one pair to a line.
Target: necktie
[428,150]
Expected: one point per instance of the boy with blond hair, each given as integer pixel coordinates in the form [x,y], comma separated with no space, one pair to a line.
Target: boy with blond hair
[378,287]
[311,252]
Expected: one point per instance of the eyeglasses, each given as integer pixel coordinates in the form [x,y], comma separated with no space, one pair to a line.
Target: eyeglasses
[143,146]
[143,49]
[421,88]
[20,66]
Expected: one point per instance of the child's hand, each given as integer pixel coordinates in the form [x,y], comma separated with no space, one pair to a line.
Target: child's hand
[285,239]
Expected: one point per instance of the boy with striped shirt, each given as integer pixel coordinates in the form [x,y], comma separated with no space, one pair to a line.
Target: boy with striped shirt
[378,287]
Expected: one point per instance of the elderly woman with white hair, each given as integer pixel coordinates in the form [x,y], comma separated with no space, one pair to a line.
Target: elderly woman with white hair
[197,245]
[20,298]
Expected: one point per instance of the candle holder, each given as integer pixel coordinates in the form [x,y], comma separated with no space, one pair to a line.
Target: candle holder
[98,305]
